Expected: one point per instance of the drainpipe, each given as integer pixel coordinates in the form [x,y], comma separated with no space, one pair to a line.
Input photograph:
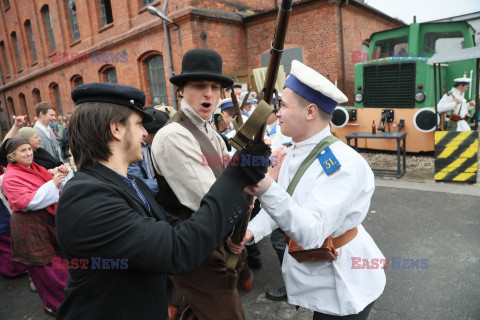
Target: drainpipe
[5,102]
[343,3]
[169,58]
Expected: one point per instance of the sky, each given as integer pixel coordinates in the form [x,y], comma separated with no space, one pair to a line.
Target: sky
[425,10]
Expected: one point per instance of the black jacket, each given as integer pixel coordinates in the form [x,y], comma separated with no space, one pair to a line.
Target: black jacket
[45,159]
[100,216]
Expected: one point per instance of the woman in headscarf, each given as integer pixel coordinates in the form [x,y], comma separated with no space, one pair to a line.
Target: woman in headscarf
[33,194]
[40,155]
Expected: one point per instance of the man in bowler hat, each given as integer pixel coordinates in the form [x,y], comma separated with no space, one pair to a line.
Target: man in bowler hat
[117,241]
[189,156]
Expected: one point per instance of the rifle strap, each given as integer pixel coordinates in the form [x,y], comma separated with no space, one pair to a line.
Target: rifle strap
[322,145]
[254,123]
[205,143]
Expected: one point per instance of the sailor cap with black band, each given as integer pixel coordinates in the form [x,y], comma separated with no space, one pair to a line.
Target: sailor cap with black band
[314,87]
[112,93]
[464,81]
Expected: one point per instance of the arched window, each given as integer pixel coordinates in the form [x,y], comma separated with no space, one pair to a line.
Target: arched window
[76,80]
[108,73]
[56,97]
[156,80]
[37,98]
[106,12]
[23,105]
[3,121]
[11,108]
[4,57]
[47,24]
[29,33]
[72,14]
[17,50]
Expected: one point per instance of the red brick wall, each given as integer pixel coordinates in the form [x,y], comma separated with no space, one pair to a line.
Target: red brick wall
[358,26]
[313,28]
[316,28]
[138,34]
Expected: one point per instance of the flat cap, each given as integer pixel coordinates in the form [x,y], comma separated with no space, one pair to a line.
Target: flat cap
[112,93]
[160,119]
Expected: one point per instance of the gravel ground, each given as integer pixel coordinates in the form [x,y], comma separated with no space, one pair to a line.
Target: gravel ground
[420,167]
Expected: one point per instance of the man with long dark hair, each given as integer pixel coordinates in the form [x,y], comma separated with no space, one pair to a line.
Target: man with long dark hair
[117,241]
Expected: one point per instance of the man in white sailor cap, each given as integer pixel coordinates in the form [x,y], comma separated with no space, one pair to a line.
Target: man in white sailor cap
[330,198]
[456,107]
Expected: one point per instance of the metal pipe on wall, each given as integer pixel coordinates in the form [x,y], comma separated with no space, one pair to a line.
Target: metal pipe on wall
[169,58]
[343,4]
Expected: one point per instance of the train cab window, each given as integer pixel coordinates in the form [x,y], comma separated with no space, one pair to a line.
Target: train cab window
[392,47]
[443,41]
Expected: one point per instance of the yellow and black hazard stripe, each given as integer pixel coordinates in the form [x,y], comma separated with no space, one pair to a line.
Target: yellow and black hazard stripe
[456,156]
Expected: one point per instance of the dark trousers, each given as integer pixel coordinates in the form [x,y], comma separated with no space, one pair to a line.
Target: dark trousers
[363,315]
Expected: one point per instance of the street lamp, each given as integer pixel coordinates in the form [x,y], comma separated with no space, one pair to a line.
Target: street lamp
[154,11]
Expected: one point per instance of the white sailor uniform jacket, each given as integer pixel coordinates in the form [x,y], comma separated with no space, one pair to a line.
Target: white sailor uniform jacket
[321,206]
[448,104]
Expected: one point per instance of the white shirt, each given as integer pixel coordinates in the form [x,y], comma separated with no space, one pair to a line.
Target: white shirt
[47,130]
[321,206]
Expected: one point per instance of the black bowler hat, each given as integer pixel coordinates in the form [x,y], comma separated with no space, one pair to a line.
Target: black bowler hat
[160,117]
[201,64]
[112,93]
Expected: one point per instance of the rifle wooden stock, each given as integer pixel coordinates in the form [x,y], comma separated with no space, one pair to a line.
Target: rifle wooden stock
[277,47]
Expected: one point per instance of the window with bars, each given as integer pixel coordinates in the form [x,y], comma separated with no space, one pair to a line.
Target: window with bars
[17,50]
[111,75]
[49,28]
[28,26]
[156,75]
[106,12]
[4,55]
[72,13]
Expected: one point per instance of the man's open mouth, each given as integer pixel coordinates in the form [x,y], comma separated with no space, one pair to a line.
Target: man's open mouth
[206,105]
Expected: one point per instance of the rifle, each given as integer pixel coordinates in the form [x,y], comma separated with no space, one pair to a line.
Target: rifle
[255,126]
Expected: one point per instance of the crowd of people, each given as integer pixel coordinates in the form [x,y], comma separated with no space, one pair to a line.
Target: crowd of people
[141,223]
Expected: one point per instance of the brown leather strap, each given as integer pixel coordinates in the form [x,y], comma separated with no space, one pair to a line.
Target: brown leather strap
[338,242]
[206,146]
[345,238]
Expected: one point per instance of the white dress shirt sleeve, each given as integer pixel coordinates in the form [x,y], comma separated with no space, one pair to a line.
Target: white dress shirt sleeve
[45,196]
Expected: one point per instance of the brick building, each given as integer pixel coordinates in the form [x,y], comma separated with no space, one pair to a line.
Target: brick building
[48,47]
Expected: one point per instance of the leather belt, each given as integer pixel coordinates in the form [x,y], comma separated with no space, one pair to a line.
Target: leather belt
[345,238]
